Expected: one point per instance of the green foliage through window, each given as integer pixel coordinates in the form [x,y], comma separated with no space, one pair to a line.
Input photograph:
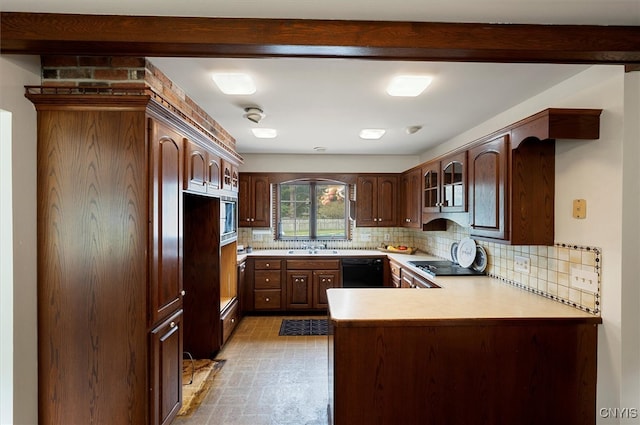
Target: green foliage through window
[312,210]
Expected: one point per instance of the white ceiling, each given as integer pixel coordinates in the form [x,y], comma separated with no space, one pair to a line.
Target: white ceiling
[325,102]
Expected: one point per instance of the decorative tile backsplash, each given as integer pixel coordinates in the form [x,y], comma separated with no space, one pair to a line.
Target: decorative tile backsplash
[550,266]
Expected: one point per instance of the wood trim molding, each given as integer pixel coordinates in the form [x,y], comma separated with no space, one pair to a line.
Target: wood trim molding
[66,34]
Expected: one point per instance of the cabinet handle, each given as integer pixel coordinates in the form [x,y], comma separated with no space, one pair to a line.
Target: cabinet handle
[233,320]
[267,299]
[172,324]
[266,280]
[247,219]
[253,219]
[183,293]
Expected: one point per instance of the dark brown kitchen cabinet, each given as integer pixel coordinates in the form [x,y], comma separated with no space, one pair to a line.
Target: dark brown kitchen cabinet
[254,200]
[268,292]
[396,274]
[376,200]
[323,280]
[110,211]
[166,370]
[308,281]
[202,169]
[166,221]
[410,195]
[444,189]
[299,289]
[512,176]
[487,188]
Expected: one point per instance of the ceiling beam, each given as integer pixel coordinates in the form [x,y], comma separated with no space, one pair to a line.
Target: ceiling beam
[46,33]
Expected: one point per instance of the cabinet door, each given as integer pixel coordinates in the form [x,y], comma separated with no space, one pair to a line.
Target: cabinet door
[323,280]
[254,201]
[387,201]
[166,370]
[366,201]
[261,201]
[410,199]
[245,203]
[166,222]
[454,180]
[226,175]
[195,176]
[213,175]
[299,293]
[487,188]
[431,187]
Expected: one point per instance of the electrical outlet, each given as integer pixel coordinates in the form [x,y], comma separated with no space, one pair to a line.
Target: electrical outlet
[584,280]
[521,264]
[386,237]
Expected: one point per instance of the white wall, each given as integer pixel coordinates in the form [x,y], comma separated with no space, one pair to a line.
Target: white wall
[16,72]
[630,333]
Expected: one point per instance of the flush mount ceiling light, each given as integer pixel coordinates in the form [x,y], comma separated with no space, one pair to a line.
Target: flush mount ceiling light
[254,114]
[372,133]
[264,133]
[408,85]
[234,83]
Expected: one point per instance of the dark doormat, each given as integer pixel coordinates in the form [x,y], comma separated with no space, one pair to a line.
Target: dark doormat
[297,327]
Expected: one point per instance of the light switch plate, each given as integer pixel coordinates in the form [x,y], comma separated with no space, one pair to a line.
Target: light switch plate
[584,280]
[579,208]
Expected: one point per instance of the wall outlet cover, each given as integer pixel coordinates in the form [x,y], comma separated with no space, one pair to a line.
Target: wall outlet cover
[521,264]
[584,280]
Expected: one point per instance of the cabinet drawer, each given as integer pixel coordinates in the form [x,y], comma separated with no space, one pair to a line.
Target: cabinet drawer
[266,279]
[267,264]
[395,269]
[229,319]
[313,264]
[267,299]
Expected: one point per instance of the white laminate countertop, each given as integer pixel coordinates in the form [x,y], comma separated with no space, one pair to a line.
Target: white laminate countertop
[464,299]
[459,299]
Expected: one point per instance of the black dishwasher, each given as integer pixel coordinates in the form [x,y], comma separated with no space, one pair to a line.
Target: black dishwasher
[362,273]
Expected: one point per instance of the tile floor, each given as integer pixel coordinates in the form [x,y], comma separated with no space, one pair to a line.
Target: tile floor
[267,379]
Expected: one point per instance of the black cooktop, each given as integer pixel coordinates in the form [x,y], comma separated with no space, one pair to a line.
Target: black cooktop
[444,268]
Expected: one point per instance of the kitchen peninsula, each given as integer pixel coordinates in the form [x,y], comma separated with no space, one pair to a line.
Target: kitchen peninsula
[474,351]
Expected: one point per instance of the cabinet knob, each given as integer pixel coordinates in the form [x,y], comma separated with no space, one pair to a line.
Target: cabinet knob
[253,219]
[266,280]
[172,324]
[375,219]
[183,293]
[248,219]
[267,299]
[233,320]
[266,265]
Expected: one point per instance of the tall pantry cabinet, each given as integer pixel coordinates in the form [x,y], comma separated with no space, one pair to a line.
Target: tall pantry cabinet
[110,257]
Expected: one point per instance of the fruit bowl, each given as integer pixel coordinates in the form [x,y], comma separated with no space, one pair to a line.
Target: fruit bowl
[399,249]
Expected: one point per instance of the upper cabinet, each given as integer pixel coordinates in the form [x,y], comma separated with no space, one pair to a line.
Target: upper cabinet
[512,176]
[254,200]
[202,169]
[410,195]
[376,200]
[487,188]
[444,191]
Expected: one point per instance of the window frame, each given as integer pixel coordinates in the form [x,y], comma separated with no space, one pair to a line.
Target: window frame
[312,183]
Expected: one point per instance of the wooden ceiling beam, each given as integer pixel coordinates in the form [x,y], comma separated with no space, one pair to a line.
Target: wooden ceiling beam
[46,33]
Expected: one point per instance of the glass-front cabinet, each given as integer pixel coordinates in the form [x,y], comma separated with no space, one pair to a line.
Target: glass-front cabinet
[444,185]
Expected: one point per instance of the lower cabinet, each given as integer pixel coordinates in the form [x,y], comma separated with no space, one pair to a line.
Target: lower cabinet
[230,319]
[267,284]
[308,281]
[166,370]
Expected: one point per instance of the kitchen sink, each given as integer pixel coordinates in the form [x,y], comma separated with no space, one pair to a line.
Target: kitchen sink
[313,252]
